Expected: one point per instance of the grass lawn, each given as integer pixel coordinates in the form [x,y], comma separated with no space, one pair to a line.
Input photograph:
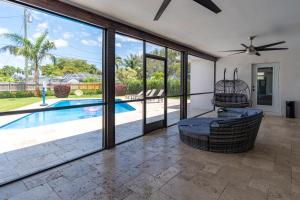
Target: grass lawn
[15,103]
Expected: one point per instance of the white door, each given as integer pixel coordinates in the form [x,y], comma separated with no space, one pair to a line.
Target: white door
[265,87]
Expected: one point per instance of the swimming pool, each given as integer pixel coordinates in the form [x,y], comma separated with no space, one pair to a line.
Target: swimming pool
[58,116]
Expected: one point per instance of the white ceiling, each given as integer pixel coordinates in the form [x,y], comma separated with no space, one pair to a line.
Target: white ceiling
[188,22]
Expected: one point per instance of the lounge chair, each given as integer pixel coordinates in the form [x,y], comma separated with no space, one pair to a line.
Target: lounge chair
[151,94]
[160,94]
[140,96]
[132,96]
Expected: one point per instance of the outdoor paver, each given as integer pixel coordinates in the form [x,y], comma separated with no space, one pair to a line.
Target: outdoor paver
[159,167]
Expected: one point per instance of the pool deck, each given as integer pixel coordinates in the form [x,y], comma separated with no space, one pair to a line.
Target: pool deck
[24,151]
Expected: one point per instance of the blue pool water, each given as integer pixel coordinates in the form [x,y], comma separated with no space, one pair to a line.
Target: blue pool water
[57,116]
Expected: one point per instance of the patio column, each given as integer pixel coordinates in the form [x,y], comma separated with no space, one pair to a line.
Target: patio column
[109,89]
[184,84]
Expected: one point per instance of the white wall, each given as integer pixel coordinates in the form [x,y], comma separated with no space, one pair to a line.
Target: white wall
[289,74]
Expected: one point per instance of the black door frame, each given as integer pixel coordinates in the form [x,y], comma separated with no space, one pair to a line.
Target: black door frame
[149,127]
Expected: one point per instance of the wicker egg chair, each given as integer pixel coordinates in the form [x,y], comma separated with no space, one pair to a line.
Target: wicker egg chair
[232,93]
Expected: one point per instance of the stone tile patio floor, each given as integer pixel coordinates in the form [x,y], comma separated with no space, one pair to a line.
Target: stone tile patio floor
[159,167]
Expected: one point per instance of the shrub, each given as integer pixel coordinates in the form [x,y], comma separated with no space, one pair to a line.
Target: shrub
[134,86]
[19,94]
[120,90]
[89,79]
[62,91]
[91,92]
[155,84]
[173,87]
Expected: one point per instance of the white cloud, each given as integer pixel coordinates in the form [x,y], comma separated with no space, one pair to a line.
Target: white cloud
[36,35]
[99,39]
[60,43]
[42,26]
[89,42]
[84,34]
[122,38]
[118,44]
[67,35]
[3,30]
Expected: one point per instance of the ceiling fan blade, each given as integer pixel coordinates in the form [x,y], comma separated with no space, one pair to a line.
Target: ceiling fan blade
[244,45]
[234,50]
[273,49]
[269,45]
[257,53]
[209,5]
[162,8]
[236,53]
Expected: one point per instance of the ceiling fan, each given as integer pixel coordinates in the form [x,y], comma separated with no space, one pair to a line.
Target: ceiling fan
[254,50]
[206,3]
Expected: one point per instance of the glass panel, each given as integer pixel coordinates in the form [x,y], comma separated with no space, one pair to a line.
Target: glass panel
[154,110]
[173,110]
[35,141]
[265,86]
[155,78]
[77,48]
[154,88]
[198,104]
[129,68]
[129,120]
[155,49]
[174,72]
[200,75]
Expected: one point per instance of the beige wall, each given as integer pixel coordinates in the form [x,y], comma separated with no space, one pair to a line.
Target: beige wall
[289,74]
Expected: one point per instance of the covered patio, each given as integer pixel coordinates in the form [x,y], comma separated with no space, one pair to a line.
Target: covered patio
[179,100]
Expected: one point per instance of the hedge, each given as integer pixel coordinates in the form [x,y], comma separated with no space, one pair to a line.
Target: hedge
[136,86]
[131,87]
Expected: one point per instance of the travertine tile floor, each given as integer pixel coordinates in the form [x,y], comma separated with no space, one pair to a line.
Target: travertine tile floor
[159,167]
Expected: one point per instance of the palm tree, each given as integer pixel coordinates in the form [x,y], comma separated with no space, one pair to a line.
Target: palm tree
[133,61]
[118,62]
[35,52]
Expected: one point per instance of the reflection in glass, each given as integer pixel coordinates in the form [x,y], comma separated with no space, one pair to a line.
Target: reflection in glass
[265,86]
[199,104]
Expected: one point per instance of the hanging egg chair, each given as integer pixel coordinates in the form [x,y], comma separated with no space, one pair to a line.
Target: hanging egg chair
[232,93]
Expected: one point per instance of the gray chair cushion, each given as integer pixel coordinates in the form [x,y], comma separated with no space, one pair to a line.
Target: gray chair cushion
[196,126]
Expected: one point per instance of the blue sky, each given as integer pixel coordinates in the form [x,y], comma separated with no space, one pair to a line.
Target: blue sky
[72,39]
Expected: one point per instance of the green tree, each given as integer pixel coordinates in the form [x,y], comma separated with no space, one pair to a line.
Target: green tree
[133,61]
[10,70]
[158,76]
[35,52]
[126,74]
[51,70]
[69,66]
